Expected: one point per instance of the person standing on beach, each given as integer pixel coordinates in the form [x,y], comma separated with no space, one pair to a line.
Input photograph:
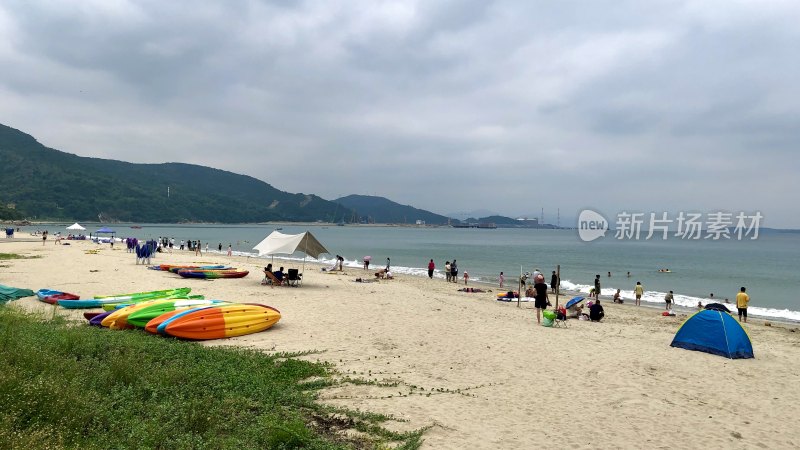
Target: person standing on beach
[431,268]
[170,248]
[541,297]
[638,291]
[502,279]
[742,300]
[219,247]
[466,277]
[388,263]
[447,274]
[669,299]
[554,282]
[230,249]
[454,271]
[197,249]
[597,287]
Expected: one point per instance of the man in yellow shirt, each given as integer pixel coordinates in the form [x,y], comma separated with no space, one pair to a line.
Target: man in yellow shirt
[638,290]
[742,300]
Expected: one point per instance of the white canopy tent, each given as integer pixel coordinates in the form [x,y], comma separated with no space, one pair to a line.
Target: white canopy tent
[287,244]
[76,226]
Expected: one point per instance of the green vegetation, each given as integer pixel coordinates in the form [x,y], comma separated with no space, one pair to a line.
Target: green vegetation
[66,386]
[7,256]
[44,183]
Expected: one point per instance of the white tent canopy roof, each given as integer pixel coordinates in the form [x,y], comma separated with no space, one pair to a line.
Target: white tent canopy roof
[75,226]
[286,244]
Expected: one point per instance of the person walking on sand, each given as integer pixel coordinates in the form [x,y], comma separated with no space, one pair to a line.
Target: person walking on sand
[502,279]
[742,300]
[541,297]
[669,298]
[447,273]
[230,249]
[597,287]
[466,277]
[197,251]
[554,282]
[638,291]
[454,271]
[431,268]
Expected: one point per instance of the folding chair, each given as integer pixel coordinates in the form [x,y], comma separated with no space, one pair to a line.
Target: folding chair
[270,278]
[294,277]
[561,318]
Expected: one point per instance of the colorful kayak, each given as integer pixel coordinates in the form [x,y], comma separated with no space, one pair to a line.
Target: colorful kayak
[52,297]
[220,321]
[140,317]
[201,268]
[114,306]
[143,294]
[118,319]
[126,298]
[168,267]
[96,320]
[153,325]
[213,274]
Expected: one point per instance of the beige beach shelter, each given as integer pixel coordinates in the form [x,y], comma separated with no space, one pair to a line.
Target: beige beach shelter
[286,244]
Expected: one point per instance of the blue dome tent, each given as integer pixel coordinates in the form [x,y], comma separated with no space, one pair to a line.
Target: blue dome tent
[714,332]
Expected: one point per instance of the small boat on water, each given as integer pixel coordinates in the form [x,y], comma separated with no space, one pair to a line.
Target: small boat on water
[136,227]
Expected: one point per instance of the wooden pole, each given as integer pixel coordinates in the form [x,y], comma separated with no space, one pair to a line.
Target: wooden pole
[558,282]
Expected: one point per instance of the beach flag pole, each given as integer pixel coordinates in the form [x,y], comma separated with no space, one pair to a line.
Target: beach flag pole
[558,282]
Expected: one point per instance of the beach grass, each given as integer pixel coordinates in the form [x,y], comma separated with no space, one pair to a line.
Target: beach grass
[67,386]
[8,256]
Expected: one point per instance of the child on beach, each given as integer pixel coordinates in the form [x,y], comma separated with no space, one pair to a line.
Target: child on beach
[466,277]
[502,279]
[447,273]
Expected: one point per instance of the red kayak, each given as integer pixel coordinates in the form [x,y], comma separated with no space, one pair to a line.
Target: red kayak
[53,299]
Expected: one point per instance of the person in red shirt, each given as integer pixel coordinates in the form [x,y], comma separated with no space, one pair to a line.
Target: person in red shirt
[431,267]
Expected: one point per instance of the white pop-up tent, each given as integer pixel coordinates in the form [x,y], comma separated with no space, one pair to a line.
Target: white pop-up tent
[286,244]
[75,226]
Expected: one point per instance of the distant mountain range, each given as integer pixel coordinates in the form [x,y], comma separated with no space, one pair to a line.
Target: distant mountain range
[41,183]
[371,209]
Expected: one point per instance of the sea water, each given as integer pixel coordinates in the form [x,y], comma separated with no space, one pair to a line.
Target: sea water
[768,266]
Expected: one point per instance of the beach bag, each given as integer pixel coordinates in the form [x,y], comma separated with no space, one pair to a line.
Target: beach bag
[548,318]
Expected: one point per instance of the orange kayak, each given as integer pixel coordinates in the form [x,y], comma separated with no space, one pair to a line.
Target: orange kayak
[220,321]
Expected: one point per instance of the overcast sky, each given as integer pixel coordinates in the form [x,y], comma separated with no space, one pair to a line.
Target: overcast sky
[510,106]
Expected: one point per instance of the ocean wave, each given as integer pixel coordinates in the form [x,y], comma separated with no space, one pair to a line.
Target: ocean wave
[687,301]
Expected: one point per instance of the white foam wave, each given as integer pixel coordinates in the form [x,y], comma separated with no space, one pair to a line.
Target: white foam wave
[656,297]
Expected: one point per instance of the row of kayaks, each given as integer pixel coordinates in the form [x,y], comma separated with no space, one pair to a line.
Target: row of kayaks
[172,312]
[72,301]
[205,272]
[190,319]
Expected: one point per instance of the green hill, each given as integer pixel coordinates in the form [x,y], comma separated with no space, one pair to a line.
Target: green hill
[47,184]
[381,210]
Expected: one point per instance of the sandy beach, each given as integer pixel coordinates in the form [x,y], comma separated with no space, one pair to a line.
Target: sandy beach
[480,372]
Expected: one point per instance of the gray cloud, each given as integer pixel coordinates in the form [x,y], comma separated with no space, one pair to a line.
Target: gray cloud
[449,106]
